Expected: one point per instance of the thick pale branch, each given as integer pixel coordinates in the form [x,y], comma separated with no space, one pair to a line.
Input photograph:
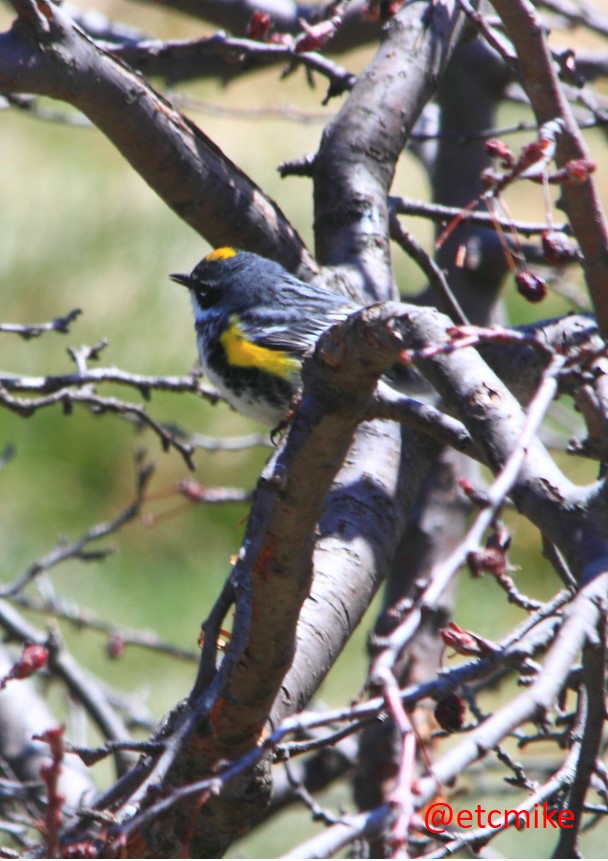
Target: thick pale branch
[356,161]
[495,420]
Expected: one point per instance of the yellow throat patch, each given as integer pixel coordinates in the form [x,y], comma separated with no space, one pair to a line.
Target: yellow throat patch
[243,353]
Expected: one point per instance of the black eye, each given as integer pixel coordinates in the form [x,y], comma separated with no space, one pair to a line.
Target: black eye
[207,296]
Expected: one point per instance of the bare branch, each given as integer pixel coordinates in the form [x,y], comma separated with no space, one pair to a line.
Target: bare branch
[189,59]
[119,637]
[79,549]
[67,397]
[444,214]
[80,684]
[356,134]
[59,324]
[356,26]
[145,384]
[581,202]
[180,163]
[580,626]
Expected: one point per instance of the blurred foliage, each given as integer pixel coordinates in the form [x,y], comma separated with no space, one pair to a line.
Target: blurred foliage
[78,228]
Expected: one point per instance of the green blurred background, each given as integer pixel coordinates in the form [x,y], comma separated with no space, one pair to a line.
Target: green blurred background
[78,228]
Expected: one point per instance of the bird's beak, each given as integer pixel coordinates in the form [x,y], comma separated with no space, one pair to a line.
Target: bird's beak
[186,280]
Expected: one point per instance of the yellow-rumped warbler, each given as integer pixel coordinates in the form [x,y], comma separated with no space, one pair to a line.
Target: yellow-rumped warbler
[254,322]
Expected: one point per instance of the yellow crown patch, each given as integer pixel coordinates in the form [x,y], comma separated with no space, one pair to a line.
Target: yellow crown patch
[222,253]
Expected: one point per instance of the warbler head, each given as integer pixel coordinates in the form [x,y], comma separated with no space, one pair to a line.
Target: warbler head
[234,279]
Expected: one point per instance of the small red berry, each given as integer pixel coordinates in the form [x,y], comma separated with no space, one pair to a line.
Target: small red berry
[450,712]
[557,248]
[532,287]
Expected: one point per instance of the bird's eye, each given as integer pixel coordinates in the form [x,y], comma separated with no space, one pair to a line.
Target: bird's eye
[207,297]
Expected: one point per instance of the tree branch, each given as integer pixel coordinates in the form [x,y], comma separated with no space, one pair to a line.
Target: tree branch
[173,156]
[351,182]
[581,202]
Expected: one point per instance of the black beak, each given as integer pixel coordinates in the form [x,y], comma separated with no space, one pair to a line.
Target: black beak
[187,280]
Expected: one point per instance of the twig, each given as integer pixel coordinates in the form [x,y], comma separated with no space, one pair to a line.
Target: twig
[78,549]
[495,39]
[34,330]
[443,214]
[319,814]
[432,271]
[282,113]
[92,755]
[98,404]
[152,54]
[50,773]
[593,713]
[401,796]
[580,625]
[582,202]
[119,638]
[442,573]
[145,384]
[234,443]
[350,828]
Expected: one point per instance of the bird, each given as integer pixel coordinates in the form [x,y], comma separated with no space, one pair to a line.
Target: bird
[254,322]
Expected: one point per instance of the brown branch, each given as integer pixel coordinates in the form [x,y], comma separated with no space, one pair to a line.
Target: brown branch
[355,29]
[172,155]
[182,60]
[581,202]
[519,646]
[272,578]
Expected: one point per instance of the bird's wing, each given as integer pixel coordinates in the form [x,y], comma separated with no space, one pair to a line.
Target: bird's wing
[302,332]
